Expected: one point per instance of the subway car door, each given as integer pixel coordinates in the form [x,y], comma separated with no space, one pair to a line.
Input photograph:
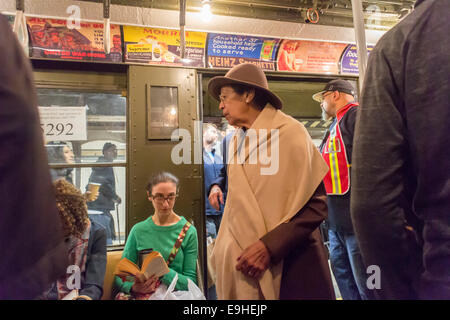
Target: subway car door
[165,135]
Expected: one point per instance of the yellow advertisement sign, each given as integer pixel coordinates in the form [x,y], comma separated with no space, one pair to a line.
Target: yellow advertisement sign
[162,46]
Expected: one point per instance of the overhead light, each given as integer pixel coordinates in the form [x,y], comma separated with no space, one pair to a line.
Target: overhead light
[206,11]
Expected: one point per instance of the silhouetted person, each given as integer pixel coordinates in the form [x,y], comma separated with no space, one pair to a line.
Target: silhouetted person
[400,202]
[32,248]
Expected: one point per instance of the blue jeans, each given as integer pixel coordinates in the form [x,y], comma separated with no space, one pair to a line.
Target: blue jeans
[348,267]
[212,225]
[104,220]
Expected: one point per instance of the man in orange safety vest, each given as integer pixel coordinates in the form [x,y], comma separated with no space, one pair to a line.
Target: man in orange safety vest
[337,101]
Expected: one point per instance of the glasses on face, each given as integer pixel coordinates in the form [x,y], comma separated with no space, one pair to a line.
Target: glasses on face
[160,198]
[226,97]
[223,98]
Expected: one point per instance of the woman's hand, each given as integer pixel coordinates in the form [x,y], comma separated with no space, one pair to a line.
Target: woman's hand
[143,285]
[254,260]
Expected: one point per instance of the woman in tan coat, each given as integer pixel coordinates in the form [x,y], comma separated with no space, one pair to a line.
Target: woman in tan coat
[269,245]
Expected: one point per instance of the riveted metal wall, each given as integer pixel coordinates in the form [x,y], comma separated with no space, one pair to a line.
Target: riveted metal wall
[147,156]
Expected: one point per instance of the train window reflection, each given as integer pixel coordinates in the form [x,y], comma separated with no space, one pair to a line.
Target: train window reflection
[83,121]
[163,112]
[105,190]
[85,139]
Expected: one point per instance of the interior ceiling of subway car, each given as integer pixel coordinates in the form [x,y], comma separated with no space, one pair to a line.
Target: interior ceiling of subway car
[330,20]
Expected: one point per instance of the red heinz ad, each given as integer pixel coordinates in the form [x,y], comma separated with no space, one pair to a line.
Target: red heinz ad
[51,38]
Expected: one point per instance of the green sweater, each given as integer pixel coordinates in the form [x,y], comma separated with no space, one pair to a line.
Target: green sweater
[147,234]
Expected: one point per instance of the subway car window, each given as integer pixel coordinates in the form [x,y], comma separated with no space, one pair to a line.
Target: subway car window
[89,128]
[163,118]
[81,118]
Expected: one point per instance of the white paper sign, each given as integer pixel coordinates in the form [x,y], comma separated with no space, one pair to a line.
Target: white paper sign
[63,123]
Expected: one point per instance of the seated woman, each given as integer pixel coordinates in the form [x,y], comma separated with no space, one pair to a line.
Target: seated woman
[86,243]
[160,232]
[59,153]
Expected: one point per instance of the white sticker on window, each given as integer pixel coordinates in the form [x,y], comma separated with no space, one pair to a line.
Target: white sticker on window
[63,123]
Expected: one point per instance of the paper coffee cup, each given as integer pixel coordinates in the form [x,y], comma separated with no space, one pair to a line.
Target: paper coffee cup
[93,189]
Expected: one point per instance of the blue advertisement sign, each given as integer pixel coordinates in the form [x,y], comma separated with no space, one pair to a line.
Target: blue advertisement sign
[228,50]
[349,59]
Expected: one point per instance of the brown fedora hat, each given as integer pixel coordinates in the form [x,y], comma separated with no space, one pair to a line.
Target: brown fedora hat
[246,74]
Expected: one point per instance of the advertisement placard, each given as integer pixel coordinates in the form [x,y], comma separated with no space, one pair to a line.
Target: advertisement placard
[162,46]
[228,50]
[349,59]
[309,56]
[50,38]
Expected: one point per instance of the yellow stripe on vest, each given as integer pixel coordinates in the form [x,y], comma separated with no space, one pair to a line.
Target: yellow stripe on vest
[337,169]
[331,169]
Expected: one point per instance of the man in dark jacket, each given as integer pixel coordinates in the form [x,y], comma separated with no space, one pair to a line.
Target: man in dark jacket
[212,166]
[401,163]
[337,101]
[33,254]
[218,189]
[107,197]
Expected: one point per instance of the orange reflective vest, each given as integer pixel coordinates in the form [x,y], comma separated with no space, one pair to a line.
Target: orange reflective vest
[337,180]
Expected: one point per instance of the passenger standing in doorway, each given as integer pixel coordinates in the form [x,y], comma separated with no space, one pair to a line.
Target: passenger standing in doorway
[212,164]
[337,101]
[33,253]
[401,192]
[107,197]
[218,189]
[269,245]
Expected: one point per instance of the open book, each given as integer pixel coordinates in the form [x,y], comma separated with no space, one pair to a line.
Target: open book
[153,264]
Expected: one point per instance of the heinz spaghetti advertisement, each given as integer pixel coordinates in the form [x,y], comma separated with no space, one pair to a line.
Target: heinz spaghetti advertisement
[228,50]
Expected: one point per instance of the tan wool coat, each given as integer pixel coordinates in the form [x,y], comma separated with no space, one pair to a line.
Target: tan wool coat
[270,206]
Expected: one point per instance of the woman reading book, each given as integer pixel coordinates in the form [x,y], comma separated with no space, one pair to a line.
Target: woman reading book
[165,232]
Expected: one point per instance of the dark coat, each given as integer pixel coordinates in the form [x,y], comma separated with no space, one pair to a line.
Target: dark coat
[401,161]
[92,279]
[339,219]
[32,248]
[211,172]
[306,274]
[107,192]
[63,173]
[222,178]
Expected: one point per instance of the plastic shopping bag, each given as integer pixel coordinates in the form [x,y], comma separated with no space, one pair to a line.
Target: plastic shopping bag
[167,293]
